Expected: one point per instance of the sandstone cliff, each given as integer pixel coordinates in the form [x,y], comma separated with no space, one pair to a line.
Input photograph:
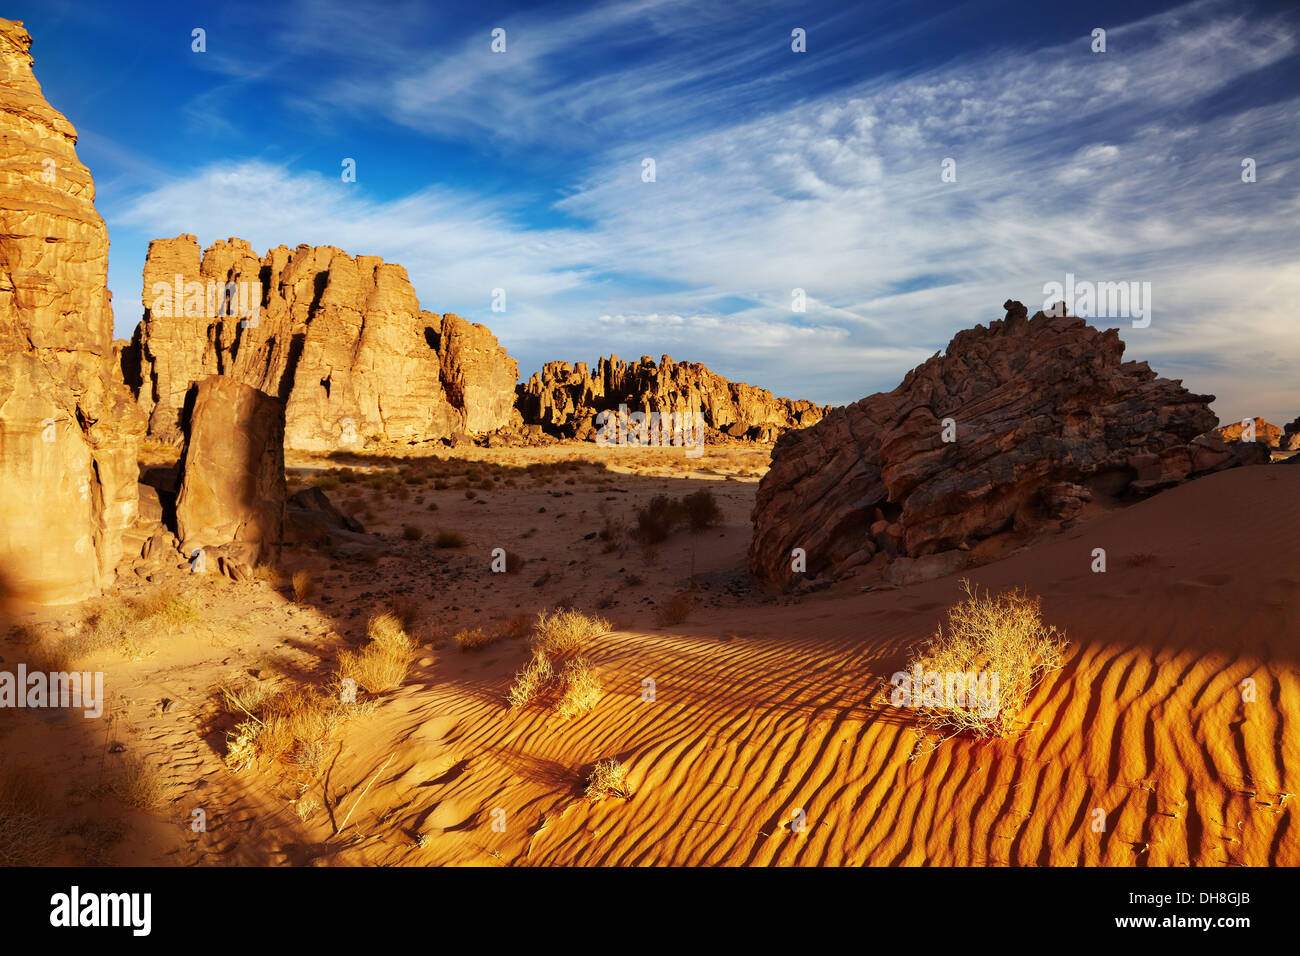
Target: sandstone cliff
[341,340]
[564,399]
[68,429]
[1009,432]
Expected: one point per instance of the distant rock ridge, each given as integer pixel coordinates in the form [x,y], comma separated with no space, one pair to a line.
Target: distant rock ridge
[1265,432]
[565,399]
[1008,433]
[69,431]
[341,340]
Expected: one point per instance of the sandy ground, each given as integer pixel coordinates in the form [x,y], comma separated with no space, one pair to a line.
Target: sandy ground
[764,742]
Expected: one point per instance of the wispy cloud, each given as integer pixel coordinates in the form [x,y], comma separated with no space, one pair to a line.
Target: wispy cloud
[1109,166]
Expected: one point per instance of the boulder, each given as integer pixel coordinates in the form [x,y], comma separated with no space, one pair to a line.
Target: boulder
[69,432]
[232,472]
[1011,431]
[312,519]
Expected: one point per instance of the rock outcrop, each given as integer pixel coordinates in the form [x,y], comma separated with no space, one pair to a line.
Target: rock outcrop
[341,340]
[232,489]
[69,431]
[1007,434]
[1264,432]
[564,399]
[1291,435]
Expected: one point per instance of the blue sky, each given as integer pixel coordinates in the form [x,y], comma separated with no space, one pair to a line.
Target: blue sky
[775,170]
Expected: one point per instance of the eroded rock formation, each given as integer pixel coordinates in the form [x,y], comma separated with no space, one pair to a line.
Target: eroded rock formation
[1290,440]
[1265,432]
[232,489]
[1042,415]
[564,399]
[341,340]
[69,431]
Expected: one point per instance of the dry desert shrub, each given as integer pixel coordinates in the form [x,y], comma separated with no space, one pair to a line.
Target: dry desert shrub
[675,610]
[519,626]
[656,520]
[268,574]
[701,509]
[304,585]
[412,532]
[137,782]
[530,683]
[579,688]
[1001,640]
[557,636]
[382,664]
[449,539]
[475,639]
[290,728]
[128,626]
[280,725]
[27,832]
[565,630]
[608,778]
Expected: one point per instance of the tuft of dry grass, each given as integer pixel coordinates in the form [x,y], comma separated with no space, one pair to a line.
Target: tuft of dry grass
[530,683]
[127,626]
[519,626]
[137,782]
[27,830]
[449,539]
[608,778]
[553,671]
[565,630]
[382,664]
[1001,638]
[290,728]
[475,639]
[580,688]
[675,610]
[304,585]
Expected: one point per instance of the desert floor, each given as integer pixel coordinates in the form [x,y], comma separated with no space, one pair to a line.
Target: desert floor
[766,709]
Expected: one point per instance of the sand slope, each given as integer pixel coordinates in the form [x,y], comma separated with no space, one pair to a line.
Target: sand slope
[762,707]
[765,711]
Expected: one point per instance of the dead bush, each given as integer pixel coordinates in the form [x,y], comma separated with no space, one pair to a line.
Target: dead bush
[382,664]
[675,610]
[978,673]
[608,778]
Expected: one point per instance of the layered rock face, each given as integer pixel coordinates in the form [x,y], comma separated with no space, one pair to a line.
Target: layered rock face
[342,341]
[232,472]
[564,399]
[69,432]
[1040,416]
